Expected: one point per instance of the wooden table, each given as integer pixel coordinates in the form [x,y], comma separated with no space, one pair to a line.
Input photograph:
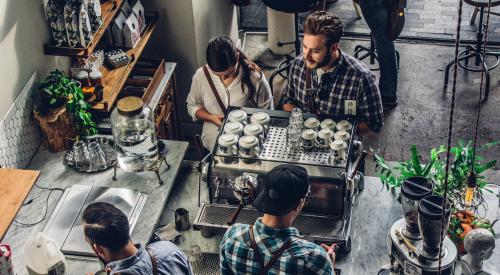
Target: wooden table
[15,185]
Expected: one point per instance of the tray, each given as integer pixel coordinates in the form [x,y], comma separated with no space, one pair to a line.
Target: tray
[107,146]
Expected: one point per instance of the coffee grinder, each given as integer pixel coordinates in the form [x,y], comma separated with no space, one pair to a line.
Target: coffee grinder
[415,250]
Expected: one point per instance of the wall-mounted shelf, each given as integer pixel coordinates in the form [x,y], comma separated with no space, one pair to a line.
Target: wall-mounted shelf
[109,9]
[115,79]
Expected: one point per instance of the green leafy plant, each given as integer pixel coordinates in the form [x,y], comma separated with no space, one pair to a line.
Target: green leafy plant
[57,90]
[461,221]
[435,168]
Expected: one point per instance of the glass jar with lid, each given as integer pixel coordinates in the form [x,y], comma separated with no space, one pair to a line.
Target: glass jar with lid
[134,134]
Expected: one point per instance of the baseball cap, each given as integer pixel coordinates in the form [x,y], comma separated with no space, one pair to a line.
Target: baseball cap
[284,186]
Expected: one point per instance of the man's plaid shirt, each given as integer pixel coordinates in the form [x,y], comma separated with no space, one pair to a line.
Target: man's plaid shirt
[303,257]
[349,80]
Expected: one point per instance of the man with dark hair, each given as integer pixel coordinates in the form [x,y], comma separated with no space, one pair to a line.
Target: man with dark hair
[271,244]
[324,80]
[106,229]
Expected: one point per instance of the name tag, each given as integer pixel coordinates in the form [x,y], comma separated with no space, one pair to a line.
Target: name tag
[350,107]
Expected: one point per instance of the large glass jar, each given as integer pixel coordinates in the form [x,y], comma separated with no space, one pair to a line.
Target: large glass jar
[134,134]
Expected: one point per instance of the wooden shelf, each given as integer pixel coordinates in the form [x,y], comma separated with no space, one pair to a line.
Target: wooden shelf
[115,79]
[109,9]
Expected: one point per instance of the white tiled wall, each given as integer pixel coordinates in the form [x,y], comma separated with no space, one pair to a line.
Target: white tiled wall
[19,135]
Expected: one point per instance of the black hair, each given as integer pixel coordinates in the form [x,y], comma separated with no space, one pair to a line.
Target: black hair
[222,53]
[106,225]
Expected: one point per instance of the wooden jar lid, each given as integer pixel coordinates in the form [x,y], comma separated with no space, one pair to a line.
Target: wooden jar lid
[130,106]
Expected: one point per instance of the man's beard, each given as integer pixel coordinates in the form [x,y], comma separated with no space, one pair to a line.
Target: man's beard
[322,63]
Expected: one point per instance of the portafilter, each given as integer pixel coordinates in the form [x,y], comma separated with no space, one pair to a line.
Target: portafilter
[244,189]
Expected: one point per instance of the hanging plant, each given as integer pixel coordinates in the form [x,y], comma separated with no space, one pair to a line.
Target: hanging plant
[57,90]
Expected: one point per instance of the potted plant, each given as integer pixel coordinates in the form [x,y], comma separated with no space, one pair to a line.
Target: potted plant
[61,111]
[461,155]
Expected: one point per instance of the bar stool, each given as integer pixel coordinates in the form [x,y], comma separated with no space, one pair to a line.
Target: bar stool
[476,52]
[370,52]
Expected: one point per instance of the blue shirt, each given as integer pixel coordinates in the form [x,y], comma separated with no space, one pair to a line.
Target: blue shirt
[303,257]
[169,259]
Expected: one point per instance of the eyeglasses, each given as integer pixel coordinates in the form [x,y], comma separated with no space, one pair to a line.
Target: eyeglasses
[308,196]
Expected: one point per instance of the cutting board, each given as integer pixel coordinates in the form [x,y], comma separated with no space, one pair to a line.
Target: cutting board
[15,184]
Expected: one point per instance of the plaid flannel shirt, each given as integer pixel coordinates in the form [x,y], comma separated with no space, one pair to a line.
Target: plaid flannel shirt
[303,257]
[349,80]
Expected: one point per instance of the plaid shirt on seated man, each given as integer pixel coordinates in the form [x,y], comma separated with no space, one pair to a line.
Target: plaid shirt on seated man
[349,82]
[326,81]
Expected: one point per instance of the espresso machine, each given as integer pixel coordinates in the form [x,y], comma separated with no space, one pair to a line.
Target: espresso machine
[327,214]
[413,241]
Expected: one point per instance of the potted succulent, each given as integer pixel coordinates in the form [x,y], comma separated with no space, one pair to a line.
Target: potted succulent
[61,111]
[462,221]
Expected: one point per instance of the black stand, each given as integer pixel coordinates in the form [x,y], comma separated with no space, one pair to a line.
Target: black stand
[370,52]
[477,53]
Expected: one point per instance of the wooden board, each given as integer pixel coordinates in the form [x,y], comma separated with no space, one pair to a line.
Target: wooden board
[15,184]
[108,10]
[115,79]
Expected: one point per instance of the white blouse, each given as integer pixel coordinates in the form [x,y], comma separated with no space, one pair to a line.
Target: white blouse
[201,95]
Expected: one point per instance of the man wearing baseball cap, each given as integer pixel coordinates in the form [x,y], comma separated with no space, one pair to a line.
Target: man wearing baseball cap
[272,244]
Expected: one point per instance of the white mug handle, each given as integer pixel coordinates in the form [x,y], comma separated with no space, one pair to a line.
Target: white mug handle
[257,151]
[235,150]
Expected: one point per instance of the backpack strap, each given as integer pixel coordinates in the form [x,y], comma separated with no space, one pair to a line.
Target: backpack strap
[153,260]
[214,90]
[275,256]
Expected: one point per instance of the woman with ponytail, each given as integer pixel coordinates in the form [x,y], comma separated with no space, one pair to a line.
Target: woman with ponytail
[228,79]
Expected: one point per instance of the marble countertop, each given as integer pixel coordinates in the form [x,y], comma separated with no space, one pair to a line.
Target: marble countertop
[54,174]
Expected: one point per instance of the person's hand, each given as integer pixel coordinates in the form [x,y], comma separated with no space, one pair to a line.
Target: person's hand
[331,251]
[217,119]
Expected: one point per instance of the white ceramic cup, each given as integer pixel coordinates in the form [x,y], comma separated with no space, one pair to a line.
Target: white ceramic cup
[328,124]
[308,138]
[249,146]
[256,130]
[233,128]
[342,135]
[228,145]
[324,138]
[312,123]
[344,125]
[262,119]
[338,151]
[238,116]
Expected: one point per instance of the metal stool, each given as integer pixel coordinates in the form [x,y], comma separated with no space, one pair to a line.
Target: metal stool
[476,52]
[370,52]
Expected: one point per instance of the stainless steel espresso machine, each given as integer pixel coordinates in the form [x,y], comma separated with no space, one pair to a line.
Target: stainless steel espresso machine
[233,180]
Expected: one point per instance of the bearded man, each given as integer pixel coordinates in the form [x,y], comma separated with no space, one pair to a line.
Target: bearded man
[324,80]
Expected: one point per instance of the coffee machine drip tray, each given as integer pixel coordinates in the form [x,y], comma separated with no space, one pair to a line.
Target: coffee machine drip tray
[65,224]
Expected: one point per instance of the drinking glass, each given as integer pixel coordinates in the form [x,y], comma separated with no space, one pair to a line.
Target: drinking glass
[80,154]
[97,161]
[293,137]
[296,118]
[196,257]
